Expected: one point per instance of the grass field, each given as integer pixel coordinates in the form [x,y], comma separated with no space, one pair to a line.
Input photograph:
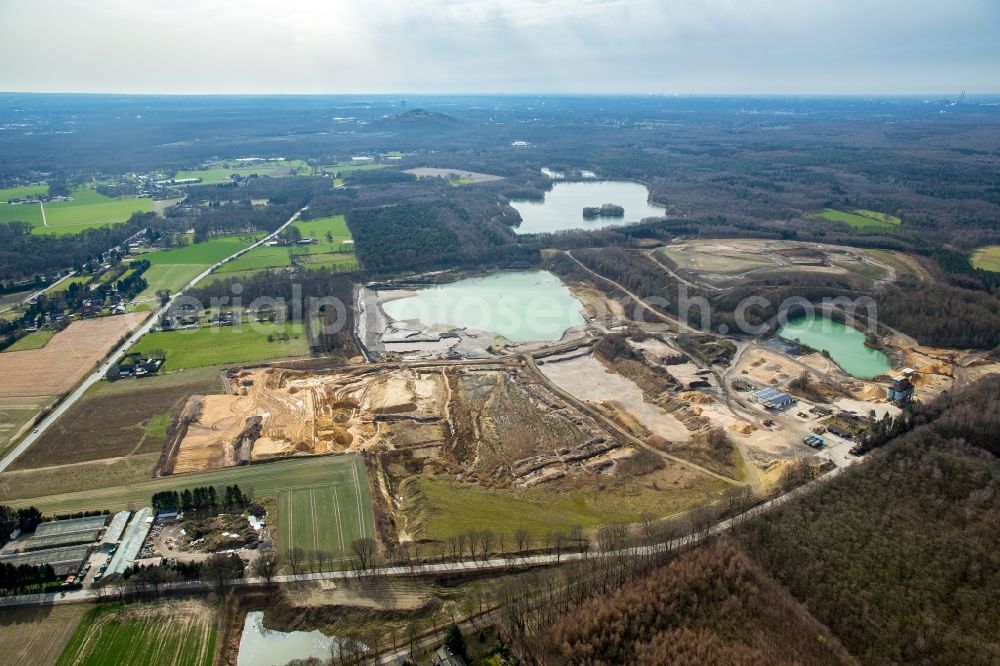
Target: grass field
[327,516]
[172,269]
[223,345]
[8,193]
[30,213]
[329,234]
[174,633]
[987,258]
[33,340]
[267,480]
[38,635]
[104,473]
[221,172]
[437,508]
[860,218]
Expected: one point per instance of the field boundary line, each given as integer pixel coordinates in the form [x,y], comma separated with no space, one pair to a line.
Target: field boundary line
[357,500]
[340,523]
[312,518]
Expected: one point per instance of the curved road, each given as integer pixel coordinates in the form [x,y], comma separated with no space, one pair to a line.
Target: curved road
[114,354]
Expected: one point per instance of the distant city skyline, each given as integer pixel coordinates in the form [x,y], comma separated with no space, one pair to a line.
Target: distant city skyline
[888,47]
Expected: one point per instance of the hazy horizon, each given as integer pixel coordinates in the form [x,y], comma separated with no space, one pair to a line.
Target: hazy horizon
[498,47]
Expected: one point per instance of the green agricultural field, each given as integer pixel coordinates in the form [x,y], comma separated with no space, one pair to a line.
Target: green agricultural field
[987,258]
[437,508]
[266,479]
[224,345]
[30,213]
[172,269]
[222,171]
[205,253]
[328,251]
[88,209]
[170,277]
[33,340]
[174,633]
[327,516]
[22,192]
[861,219]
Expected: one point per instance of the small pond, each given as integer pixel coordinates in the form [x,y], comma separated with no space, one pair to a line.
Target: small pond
[563,206]
[260,646]
[845,344]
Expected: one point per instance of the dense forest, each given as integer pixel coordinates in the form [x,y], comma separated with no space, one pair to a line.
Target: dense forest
[710,605]
[898,556]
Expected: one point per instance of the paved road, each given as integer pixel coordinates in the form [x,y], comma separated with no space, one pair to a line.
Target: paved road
[114,355]
[495,564]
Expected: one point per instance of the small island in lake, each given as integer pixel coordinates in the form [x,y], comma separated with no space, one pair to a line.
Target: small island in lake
[607,210]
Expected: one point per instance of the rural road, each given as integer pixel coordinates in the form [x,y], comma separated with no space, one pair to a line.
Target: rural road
[495,564]
[114,354]
[48,287]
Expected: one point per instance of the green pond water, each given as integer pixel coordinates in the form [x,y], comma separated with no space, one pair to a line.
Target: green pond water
[846,345]
[522,306]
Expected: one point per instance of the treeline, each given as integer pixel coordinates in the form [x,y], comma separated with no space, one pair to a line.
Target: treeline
[898,555]
[25,519]
[941,315]
[710,605]
[200,498]
[333,331]
[24,254]
[21,578]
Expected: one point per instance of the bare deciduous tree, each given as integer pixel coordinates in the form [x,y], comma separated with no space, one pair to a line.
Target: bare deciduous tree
[364,550]
[266,565]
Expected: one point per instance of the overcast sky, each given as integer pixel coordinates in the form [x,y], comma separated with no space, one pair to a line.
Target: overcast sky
[412,46]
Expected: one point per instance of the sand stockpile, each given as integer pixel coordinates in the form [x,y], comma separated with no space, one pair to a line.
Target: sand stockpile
[871,393]
[697,397]
[742,428]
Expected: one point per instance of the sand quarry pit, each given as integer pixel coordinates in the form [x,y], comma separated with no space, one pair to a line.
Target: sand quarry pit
[491,421]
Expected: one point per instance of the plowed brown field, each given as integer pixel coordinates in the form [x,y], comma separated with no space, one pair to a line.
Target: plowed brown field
[59,365]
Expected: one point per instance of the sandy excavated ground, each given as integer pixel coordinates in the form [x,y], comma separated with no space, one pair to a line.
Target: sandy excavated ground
[434,172]
[719,262]
[487,420]
[588,379]
[69,355]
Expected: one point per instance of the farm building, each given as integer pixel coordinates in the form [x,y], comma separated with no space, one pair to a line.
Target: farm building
[64,561]
[71,525]
[772,398]
[113,535]
[131,544]
[63,533]
[59,540]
